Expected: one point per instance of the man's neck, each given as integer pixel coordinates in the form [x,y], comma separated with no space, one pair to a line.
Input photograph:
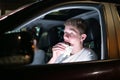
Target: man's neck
[76,50]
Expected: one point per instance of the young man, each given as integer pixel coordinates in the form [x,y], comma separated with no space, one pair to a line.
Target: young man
[74,35]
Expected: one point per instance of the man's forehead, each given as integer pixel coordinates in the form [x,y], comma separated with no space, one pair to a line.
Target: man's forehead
[71,28]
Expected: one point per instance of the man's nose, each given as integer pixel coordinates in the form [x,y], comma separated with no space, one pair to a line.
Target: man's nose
[66,37]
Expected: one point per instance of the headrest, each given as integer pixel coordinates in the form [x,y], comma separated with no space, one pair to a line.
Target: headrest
[50,38]
[93,30]
[53,36]
[43,42]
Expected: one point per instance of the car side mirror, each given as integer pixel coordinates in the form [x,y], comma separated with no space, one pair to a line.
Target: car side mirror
[16,48]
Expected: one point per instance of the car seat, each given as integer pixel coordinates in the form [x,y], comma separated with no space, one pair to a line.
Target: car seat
[49,38]
[93,39]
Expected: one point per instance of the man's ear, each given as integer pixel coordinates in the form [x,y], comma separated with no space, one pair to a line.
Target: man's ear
[83,37]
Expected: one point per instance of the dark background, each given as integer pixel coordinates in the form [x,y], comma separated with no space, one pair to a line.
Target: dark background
[13,4]
[26,1]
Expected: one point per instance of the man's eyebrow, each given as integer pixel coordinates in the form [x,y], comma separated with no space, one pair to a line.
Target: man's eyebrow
[74,30]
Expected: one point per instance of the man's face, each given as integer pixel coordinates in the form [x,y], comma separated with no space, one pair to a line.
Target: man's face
[72,36]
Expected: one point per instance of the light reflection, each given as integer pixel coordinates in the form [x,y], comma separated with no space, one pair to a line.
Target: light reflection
[27,57]
[96,72]
[100,72]
[19,37]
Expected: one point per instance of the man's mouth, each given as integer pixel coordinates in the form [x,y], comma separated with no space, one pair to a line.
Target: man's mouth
[67,43]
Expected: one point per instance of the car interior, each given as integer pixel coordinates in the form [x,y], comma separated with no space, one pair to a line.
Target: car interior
[48,29]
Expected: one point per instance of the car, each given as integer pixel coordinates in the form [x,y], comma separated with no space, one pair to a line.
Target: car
[43,21]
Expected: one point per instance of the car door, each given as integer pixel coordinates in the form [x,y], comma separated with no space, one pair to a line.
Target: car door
[43,17]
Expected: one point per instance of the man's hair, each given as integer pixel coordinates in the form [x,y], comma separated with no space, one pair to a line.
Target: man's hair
[78,23]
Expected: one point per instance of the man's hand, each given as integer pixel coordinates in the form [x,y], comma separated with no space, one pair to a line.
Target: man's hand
[59,49]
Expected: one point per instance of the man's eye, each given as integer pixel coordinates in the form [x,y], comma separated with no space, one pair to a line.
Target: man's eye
[71,34]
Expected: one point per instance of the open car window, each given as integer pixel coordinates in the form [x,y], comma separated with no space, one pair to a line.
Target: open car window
[48,29]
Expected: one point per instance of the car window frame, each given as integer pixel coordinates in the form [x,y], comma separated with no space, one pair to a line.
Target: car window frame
[84,6]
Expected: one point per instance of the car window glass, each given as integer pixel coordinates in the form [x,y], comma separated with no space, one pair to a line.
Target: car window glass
[48,28]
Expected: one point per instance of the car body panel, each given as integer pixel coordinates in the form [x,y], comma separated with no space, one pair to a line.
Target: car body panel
[101,70]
